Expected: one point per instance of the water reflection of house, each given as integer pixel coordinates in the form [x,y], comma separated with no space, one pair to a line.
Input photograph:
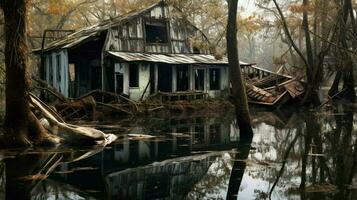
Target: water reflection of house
[137,54]
[182,136]
[168,159]
[168,179]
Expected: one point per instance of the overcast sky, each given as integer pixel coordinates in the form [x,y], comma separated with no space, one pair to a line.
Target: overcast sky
[248,5]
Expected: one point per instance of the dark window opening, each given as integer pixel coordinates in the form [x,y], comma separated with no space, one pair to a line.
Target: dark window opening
[50,70]
[133,75]
[214,134]
[199,136]
[152,78]
[156,33]
[58,67]
[44,69]
[214,79]
[119,78]
[196,50]
[96,78]
[182,78]
[200,79]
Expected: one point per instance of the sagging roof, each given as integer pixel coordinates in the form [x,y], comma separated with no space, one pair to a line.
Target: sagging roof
[171,58]
[87,33]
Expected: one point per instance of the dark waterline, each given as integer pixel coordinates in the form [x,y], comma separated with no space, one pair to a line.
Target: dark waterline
[292,155]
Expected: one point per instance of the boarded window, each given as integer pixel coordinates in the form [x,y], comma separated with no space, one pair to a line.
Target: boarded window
[58,68]
[133,75]
[214,79]
[156,32]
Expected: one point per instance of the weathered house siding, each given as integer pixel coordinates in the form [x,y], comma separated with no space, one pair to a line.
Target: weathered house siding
[131,35]
[136,93]
[56,70]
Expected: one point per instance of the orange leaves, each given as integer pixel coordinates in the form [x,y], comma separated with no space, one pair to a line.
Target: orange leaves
[57,7]
[250,24]
[298,8]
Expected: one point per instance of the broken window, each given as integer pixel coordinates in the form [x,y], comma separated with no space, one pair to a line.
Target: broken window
[200,79]
[58,67]
[133,75]
[214,79]
[156,32]
[50,70]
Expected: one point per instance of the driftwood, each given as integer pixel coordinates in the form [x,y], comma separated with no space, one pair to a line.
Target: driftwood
[53,122]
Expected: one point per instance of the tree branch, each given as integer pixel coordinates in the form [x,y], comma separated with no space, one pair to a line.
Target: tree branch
[286,29]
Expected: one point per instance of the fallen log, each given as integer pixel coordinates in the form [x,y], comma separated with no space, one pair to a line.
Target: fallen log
[68,132]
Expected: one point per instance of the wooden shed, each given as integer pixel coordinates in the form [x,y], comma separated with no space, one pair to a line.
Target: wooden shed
[136,55]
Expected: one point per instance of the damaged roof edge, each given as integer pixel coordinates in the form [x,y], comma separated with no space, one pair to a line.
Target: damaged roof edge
[171,58]
[96,29]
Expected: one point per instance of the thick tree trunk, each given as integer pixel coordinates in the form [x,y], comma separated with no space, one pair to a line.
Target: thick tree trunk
[21,125]
[17,108]
[238,93]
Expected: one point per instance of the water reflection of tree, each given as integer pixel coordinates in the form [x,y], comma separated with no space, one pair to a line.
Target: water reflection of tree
[214,182]
[25,173]
[239,165]
[328,158]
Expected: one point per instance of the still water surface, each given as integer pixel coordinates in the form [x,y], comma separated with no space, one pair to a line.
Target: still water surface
[292,155]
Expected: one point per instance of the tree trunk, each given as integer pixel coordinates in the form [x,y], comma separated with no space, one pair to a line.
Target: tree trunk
[21,125]
[238,93]
[348,78]
[17,108]
[311,96]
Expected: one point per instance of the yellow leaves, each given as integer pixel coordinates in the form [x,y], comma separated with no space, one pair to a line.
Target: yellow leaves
[298,8]
[57,7]
[250,24]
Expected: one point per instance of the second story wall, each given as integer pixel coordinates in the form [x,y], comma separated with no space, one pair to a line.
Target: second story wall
[156,31]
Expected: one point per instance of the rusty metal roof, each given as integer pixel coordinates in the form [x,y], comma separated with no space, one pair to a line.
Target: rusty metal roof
[171,58]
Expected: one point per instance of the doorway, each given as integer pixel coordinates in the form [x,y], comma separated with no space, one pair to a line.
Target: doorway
[182,78]
[119,80]
[164,78]
[96,78]
[152,79]
[200,79]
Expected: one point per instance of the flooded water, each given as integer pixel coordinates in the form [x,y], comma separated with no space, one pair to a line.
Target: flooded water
[292,155]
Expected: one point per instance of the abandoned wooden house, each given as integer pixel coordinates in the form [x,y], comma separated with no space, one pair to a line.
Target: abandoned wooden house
[137,55]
